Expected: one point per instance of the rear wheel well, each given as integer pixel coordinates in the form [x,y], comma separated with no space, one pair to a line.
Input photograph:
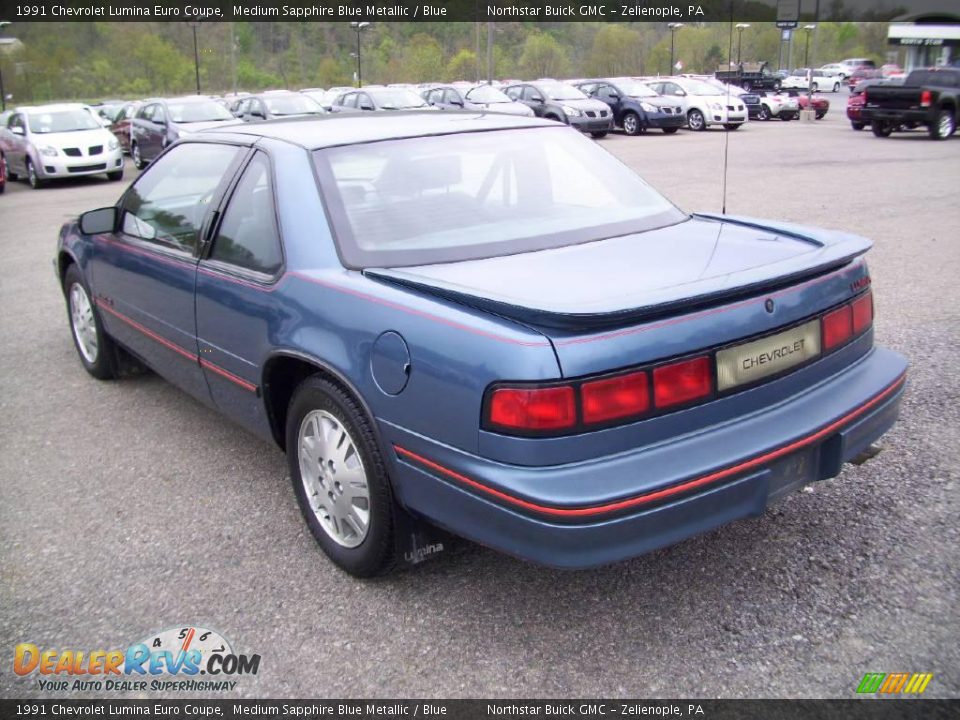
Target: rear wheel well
[281,376]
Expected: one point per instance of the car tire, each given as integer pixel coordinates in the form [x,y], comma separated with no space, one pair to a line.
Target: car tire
[857,125]
[670,131]
[944,126]
[115,175]
[138,162]
[815,87]
[632,124]
[836,87]
[696,120]
[763,113]
[881,128]
[820,115]
[322,411]
[96,349]
[777,85]
[36,182]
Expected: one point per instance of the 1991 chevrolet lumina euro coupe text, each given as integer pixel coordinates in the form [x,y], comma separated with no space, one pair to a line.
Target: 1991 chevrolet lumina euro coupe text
[486,324]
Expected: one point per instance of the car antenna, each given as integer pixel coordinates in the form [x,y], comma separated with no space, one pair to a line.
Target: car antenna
[726,139]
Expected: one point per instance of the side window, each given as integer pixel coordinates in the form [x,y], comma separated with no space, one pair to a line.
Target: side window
[350,100]
[159,114]
[168,203]
[531,93]
[513,92]
[248,235]
[364,102]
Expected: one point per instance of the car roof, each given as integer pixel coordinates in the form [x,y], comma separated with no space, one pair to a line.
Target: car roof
[314,133]
[54,107]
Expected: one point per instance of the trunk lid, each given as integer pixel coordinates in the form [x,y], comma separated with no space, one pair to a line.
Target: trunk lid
[615,287]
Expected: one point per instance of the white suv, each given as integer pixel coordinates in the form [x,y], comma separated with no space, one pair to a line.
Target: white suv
[704,104]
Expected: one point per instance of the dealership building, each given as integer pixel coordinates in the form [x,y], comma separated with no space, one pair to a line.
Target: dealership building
[927,39]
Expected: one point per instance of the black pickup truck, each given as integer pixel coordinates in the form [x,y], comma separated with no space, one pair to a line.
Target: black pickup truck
[757,77]
[927,97]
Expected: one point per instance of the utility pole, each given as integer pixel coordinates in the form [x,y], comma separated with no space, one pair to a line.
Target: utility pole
[233,58]
[740,28]
[3,93]
[359,27]
[489,53]
[673,31]
[194,24]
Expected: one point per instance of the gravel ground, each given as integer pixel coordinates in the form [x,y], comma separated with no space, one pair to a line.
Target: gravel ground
[127,507]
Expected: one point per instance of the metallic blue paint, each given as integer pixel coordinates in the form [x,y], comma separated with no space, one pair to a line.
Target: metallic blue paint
[229,325]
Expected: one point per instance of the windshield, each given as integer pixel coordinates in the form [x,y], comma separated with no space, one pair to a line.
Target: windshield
[58,121]
[292,104]
[696,87]
[202,111]
[559,91]
[632,88]
[477,195]
[487,94]
[396,98]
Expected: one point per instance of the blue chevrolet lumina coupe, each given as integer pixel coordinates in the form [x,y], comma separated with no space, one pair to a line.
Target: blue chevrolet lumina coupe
[484,324]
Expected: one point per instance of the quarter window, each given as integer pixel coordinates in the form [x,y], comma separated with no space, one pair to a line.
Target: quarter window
[169,202]
[248,236]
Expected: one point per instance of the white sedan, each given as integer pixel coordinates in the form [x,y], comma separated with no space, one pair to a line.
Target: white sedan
[800,80]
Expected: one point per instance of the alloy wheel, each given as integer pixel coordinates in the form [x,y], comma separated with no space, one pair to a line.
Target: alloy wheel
[83,323]
[334,479]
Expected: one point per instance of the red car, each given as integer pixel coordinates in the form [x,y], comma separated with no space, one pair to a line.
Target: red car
[121,124]
[820,104]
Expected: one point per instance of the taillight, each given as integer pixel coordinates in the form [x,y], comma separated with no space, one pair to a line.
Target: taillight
[926,98]
[837,327]
[533,409]
[615,398]
[682,382]
[862,309]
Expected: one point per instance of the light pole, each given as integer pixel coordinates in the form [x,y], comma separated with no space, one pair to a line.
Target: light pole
[489,53]
[673,31]
[194,24]
[3,94]
[806,52]
[359,27]
[740,28]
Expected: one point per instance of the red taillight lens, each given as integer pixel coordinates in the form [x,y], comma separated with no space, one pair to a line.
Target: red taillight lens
[614,398]
[552,408]
[862,309]
[837,327]
[926,98]
[682,382]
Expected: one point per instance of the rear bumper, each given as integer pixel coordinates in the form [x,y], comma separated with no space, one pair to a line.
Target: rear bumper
[559,516]
[868,114]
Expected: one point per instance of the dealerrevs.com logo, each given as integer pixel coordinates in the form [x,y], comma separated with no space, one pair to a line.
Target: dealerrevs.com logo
[184,659]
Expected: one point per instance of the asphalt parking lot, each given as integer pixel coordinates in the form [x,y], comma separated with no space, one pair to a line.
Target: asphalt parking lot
[127,508]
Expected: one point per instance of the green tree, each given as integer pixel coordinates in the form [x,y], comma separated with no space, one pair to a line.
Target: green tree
[422,59]
[462,66]
[617,50]
[543,56]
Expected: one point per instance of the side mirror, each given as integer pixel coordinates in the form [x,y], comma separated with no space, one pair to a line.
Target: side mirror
[18,131]
[258,114]
[97,222]
[366,107]
[538,99]
[614,96]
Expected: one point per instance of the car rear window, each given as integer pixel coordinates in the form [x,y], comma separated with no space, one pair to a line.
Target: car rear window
[466,196]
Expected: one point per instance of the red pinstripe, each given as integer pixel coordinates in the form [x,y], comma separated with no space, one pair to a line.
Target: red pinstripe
[657,494]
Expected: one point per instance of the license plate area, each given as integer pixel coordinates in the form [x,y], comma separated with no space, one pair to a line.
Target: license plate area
[750,362]
[793,472]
